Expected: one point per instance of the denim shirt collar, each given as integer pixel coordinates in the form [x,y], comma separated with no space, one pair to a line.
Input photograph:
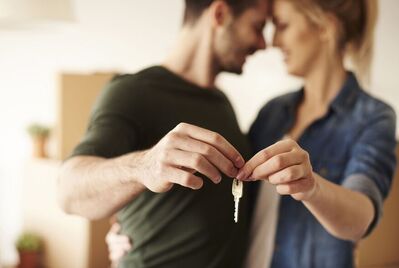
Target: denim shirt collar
[347,95]
[341,103]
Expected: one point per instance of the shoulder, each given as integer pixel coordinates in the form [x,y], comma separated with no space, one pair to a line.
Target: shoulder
[126,82]
[127,87]
[270,123]
[279,103]
[124,92]
[370,109]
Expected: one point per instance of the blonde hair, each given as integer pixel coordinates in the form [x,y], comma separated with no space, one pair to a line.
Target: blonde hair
[357,20]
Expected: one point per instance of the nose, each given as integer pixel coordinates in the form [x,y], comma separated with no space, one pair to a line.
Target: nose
[262,43]
[276,39]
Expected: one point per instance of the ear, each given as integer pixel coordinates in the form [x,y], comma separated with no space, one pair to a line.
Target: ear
[220,13]
[330,29]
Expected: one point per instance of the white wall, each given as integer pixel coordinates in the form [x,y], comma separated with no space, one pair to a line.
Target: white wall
[125,35]
[385,73]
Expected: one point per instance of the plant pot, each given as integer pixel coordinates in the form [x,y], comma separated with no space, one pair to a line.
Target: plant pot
[39,147]
[30,259]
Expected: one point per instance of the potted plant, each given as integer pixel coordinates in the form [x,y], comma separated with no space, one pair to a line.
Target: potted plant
[30,248]
[39,134]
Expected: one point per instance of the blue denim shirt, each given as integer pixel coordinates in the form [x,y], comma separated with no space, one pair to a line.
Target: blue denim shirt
[353,146]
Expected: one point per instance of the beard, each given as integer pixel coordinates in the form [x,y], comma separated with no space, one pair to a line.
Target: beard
[232,51]
[233,69]
[233,62]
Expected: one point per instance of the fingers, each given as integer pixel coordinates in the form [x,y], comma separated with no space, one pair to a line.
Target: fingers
[113,237]
[212,155]
[194,161]
[287,175]
[118,245]
[115,228]
[214,139]
[183,178]
[118,251]
[301,186]
[286,165]
[183,151]
[264,155]
[276,164]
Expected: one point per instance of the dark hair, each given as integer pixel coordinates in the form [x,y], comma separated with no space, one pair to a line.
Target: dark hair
[194,8]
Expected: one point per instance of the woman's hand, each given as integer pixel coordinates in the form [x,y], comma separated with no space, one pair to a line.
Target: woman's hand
[118,244]
[287,166]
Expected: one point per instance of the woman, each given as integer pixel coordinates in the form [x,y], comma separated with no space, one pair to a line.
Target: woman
[329,146]
[338,159]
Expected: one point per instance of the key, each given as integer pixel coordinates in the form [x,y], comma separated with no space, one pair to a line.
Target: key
[236,190]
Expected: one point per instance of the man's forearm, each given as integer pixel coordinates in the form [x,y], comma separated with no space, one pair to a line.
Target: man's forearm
[95,187]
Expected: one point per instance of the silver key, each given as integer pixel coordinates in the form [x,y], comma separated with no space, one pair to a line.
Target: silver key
[236,190]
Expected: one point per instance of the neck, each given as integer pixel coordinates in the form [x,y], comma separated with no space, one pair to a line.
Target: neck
[323,84]
[192,57]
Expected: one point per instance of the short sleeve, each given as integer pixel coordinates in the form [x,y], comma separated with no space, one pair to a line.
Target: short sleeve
[108,136]
[112,130]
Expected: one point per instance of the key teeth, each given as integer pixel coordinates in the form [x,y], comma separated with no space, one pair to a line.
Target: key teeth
[235,215]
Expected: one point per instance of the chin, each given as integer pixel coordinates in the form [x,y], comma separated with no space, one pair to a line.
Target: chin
[237,71]
[234,70]
[295,71]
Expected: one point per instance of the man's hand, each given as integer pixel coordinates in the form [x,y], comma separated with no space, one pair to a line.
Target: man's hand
[286,165]
[96,187]
[182,152]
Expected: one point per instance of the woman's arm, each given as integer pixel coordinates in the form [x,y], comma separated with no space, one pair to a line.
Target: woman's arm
[118,244]
[344,213]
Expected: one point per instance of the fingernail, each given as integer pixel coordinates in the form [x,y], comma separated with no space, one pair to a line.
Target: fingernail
[233,172]
[197,186]
[241,175]
[251,177]
[218,180]
[239,162]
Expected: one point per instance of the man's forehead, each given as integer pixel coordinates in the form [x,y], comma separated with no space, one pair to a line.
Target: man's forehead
[260,8]
[258,11]
[262,4]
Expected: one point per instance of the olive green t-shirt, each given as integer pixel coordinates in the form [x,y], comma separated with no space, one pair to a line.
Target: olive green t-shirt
[182,227]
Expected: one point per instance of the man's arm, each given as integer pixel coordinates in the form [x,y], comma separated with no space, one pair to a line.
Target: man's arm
[95,187]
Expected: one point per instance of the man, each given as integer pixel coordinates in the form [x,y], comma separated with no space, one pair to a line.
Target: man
[139,159]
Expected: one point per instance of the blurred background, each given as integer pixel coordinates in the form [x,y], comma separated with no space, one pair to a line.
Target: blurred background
[52,65]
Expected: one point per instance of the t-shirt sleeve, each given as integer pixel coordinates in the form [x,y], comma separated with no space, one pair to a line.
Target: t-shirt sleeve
[108,136]
[112,131]
[372,163]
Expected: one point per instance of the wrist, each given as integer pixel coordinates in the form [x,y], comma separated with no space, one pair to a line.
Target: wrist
[314,192]
[130,167]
